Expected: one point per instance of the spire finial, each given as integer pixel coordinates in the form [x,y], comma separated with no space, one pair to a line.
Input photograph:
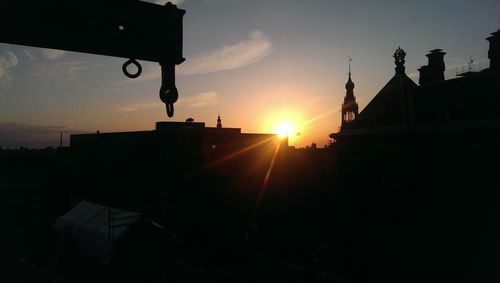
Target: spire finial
[399,60]
[349,60]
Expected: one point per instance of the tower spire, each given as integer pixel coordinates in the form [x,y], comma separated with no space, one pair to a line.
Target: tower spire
[219,122]
[349,107]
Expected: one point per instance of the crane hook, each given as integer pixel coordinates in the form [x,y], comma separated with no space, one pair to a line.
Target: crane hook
[127,73]
[168,91]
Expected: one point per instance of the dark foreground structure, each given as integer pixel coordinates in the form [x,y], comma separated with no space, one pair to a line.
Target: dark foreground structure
[207,189]
[417,172]
[408,192]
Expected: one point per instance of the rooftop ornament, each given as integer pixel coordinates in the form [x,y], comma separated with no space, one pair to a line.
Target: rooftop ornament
[399,60]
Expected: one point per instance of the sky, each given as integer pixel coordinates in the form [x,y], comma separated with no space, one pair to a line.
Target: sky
[256,63]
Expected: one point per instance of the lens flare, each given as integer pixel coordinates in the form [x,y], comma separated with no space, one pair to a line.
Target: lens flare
[285,129]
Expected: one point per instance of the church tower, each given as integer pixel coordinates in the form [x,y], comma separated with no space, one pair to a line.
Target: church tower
[349,107]
[219,122]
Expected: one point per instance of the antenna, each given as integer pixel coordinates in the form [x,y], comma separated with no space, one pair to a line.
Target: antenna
[470,64]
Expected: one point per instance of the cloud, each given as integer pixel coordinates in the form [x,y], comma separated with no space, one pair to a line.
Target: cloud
[70,69]
[14,135]
[201,99]
[246,52]
[139,106]
[150,73]
[29,53]
[8,61]
[52,54]
[74,67]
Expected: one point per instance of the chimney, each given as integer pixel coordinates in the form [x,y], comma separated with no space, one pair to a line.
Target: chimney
[434,71]
[494,51]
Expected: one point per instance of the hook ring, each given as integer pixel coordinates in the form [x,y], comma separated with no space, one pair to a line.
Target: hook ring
[127,73]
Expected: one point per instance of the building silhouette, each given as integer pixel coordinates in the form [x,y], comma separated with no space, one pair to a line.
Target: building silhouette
[176,136]
[494,51]
[189,154]
[181,148]
[415,171]
[472,97]
[434,71]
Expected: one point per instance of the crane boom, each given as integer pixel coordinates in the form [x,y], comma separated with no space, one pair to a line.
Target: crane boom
[120,28]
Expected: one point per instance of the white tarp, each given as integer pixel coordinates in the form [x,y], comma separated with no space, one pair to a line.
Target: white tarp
[95,228]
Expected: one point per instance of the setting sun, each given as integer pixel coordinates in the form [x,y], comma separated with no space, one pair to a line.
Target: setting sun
[285,129]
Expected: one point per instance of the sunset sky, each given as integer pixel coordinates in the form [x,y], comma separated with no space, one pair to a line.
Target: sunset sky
[257,63]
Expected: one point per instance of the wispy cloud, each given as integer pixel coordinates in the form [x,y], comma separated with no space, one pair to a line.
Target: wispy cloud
[150,73]
[29,53]
[14,135]
[241,54]
[8,61]
[246,52]
[68,69]
[139,106]
[52,54]
[201,99]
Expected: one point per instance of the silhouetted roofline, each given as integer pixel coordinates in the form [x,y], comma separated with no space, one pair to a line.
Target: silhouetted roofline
[385,88]
[493,124]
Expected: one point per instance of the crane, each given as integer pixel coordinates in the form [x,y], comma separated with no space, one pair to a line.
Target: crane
[130,29]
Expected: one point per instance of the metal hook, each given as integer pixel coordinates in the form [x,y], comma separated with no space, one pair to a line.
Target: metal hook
[168,91]
[169,97]
[170,109]
[126,72]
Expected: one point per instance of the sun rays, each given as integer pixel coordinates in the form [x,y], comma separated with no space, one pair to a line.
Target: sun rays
[285,129]
[267,177]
